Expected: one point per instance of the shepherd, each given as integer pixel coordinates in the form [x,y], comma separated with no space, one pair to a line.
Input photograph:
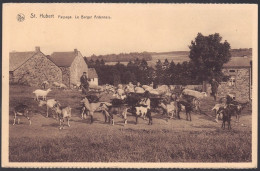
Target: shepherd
[214,88]
[84,83]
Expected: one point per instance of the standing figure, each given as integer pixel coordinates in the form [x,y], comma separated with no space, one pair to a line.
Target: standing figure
[84,83]
[214,88]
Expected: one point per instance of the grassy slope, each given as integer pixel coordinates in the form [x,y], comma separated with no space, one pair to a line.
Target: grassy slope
[165,141]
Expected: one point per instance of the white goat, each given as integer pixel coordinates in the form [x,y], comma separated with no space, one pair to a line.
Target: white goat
[41,93]
[49,104]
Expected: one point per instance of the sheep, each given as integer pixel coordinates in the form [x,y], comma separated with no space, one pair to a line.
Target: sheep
[63,86]
[153,91]
[147,88]
[129,89]
[109,88]
[49,104]
[63,112]
[139,90]
[56,84]
[21,110]
[197,94]
[41,93]
[162,89]
[96,87]
[44,84]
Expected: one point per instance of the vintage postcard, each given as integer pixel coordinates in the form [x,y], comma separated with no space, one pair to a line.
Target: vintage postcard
[89,85]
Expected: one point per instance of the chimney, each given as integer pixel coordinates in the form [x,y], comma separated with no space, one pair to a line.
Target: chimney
[76,51]
[37,49]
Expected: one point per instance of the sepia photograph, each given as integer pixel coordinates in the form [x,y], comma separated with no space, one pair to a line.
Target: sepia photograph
[99,85]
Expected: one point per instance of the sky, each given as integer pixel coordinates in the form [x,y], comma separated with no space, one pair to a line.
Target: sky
[131,27]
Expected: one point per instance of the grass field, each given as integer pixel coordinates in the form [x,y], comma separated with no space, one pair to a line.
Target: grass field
[201,140]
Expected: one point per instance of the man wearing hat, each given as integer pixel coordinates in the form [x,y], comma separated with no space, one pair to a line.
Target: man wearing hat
[84,83]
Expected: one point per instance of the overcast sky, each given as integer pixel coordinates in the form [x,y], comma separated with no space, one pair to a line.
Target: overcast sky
[132,28]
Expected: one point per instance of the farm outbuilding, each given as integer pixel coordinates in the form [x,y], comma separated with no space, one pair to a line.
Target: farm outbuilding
[71,64]
[92,75]
[32,68]
[239,73]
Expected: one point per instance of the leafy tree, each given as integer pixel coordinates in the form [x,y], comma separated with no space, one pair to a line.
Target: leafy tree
[102,62]
[159,73]
[208,54]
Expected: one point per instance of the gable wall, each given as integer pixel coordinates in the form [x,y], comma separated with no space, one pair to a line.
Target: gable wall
[36,70]
[78,66]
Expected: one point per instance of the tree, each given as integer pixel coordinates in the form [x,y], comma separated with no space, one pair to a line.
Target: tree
[102,62]
[207,55]
[159,72]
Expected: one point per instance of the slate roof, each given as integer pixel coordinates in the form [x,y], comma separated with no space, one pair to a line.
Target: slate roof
[92,73]
[16,59]
[62,59]
[240,62]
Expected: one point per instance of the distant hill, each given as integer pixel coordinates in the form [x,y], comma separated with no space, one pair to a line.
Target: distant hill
[152,57]
[122,57]
[241,52]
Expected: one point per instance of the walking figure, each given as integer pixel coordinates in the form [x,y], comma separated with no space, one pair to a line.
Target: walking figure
[214,88]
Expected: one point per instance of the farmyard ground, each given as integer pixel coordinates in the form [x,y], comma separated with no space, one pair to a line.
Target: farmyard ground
[201,140]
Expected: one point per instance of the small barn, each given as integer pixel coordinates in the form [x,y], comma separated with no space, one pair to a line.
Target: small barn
[92,75]
[238,72]
[32,68]
[72,66]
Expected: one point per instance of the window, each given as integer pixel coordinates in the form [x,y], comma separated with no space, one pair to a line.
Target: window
[232,81]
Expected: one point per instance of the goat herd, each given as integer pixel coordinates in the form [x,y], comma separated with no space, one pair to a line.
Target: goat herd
[137,100]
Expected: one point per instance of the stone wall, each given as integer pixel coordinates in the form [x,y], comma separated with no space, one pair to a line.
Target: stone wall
[65,75]
[240,87]
[78,66]
[36,70]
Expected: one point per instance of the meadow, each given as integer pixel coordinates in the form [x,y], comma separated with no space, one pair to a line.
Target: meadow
[201,140]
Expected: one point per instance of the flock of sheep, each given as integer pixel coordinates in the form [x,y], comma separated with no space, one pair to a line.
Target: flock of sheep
[137,100]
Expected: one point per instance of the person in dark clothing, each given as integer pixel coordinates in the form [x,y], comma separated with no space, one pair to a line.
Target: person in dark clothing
[214,88]
[84,83]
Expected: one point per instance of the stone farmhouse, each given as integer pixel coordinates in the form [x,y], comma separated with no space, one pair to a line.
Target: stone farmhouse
[32,68]
[72,66]
[239,82]
[92,75]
